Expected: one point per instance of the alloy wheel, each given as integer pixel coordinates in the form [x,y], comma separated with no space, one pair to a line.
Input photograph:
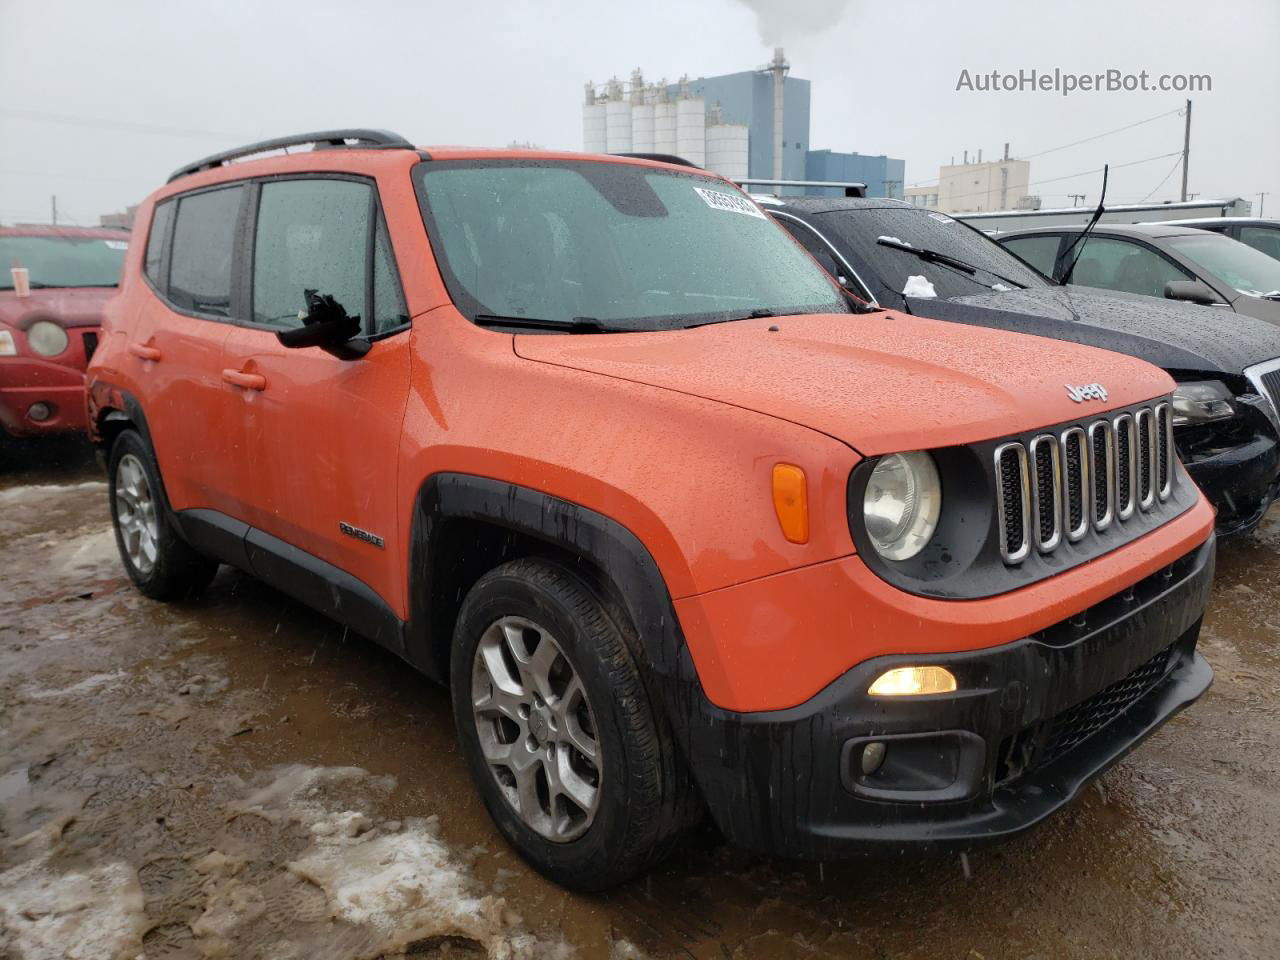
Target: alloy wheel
[136,515]
[536,728]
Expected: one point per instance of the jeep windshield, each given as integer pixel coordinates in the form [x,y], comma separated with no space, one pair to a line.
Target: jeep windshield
[63,261]
[898,242]
[586,246]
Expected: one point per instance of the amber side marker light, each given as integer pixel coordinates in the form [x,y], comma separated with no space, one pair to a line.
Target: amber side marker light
[791,502]
[913,682]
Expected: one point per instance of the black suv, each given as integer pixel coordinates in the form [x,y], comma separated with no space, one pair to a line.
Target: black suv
[1227,366]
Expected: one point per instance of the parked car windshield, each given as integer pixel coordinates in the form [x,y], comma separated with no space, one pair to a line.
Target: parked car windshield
[630,246]
[63,261]
[1248,270]
[859,230]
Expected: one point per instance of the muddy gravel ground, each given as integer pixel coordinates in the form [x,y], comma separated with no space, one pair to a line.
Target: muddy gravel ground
[238,777]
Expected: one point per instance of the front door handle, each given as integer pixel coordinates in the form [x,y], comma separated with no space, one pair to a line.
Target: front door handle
[143,352]
[249,381]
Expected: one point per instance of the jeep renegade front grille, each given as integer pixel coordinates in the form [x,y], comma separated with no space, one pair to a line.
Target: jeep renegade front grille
[1086,477]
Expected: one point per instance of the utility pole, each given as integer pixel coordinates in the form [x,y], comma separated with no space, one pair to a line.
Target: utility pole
[1261,197]
[1076,198]
[1186,150]
[54,199]
[891,188]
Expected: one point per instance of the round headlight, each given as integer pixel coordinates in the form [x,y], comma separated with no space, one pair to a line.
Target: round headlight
[901,505]
[47,338]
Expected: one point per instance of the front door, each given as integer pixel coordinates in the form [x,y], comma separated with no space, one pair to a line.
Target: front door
[322,434]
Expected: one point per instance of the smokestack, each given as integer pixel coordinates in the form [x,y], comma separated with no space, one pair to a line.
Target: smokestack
[979,156]
[778,68]
[966,158]
[1006,151]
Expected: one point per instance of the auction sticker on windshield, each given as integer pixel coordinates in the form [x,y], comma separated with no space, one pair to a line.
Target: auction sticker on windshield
[727,201]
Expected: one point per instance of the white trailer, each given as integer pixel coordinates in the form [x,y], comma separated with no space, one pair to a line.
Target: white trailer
[1002,221]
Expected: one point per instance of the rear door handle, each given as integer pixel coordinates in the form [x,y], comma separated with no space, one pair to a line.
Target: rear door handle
[143,352]
[249,381]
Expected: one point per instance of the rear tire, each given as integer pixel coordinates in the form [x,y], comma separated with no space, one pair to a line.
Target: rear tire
[531,718]
[159,562]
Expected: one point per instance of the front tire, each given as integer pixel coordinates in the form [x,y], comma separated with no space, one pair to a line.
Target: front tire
[575,763]
[159,562]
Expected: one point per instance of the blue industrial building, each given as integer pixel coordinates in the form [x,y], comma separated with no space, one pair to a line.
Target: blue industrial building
[748,98]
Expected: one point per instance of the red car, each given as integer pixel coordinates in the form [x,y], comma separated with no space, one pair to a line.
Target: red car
[49,318]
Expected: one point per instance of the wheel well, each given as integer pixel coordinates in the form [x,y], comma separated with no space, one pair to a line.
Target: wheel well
[112,423]
[471,548]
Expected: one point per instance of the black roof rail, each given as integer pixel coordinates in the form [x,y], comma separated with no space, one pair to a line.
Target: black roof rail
[364,139]
[659,158]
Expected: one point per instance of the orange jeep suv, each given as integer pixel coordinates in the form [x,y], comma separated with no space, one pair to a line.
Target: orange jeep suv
[684,529]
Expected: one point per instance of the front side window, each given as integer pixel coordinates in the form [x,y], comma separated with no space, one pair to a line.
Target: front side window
[631,246]
[1040,252]
[1129,267]
[312,234]
[988,266]
[203,249]
[64,261]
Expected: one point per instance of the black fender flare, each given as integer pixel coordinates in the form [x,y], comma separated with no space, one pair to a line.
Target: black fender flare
[612,549]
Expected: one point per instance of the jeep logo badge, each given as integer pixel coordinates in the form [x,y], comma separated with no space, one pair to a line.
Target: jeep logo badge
[1089,391]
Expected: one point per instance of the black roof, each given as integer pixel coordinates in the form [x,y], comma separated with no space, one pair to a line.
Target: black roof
[832,204]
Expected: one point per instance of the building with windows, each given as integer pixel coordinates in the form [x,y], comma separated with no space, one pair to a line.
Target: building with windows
[748,125]
[977,187]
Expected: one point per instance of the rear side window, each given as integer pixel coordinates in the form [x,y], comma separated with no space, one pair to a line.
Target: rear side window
[155,241]
[1265,239]
[1040,252]
[312,234]
[1128,267]
[203,248]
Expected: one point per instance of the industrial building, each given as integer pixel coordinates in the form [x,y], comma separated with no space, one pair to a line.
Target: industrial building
[977,187]
[745,126]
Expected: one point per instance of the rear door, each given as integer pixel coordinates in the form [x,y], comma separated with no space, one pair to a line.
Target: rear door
[322,434]
[175,345]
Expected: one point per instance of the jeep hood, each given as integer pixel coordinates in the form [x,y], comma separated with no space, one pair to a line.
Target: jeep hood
[880,382]
[1176,336]
[65,306]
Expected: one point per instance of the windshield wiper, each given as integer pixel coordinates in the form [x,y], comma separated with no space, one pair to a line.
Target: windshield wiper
[933,256]
[753,315]
[576,325]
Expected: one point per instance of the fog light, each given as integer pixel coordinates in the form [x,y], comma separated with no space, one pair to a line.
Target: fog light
[39,412]
[913,682]
[872,757]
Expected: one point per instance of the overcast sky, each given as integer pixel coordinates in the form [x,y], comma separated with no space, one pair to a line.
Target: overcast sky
[101,99]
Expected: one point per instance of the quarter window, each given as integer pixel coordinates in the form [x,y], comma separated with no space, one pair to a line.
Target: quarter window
[389,310]
[160,220]
[1040,252]
[312,234]
[203,246]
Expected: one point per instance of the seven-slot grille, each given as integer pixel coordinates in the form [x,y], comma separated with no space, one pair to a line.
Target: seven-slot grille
[1084,477]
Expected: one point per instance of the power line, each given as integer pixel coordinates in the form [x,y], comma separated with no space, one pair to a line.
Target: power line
[1162,182]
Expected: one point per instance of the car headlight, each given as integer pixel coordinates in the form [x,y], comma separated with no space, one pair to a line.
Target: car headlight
[1201,402]
[901,505]
[47,338]
[7,347]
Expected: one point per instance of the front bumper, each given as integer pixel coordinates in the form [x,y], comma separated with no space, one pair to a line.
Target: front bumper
[1033,722]
[27,381]
[1241,483]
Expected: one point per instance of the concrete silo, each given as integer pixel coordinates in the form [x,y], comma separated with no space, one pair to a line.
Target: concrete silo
[664,121]
[617,113]
[642,97]
[727,147]
[593,123]
[691,126]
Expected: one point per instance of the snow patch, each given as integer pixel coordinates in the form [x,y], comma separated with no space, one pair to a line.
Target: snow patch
[918,286]
[84,686]
[1001,287]
[95,551]
[92,915]
[38,491]
[893,240]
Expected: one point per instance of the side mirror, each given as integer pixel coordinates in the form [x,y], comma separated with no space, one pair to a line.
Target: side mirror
[1192,291]
[328,327]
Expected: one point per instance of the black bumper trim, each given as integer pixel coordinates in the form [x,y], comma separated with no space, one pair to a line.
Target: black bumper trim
[779,782]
